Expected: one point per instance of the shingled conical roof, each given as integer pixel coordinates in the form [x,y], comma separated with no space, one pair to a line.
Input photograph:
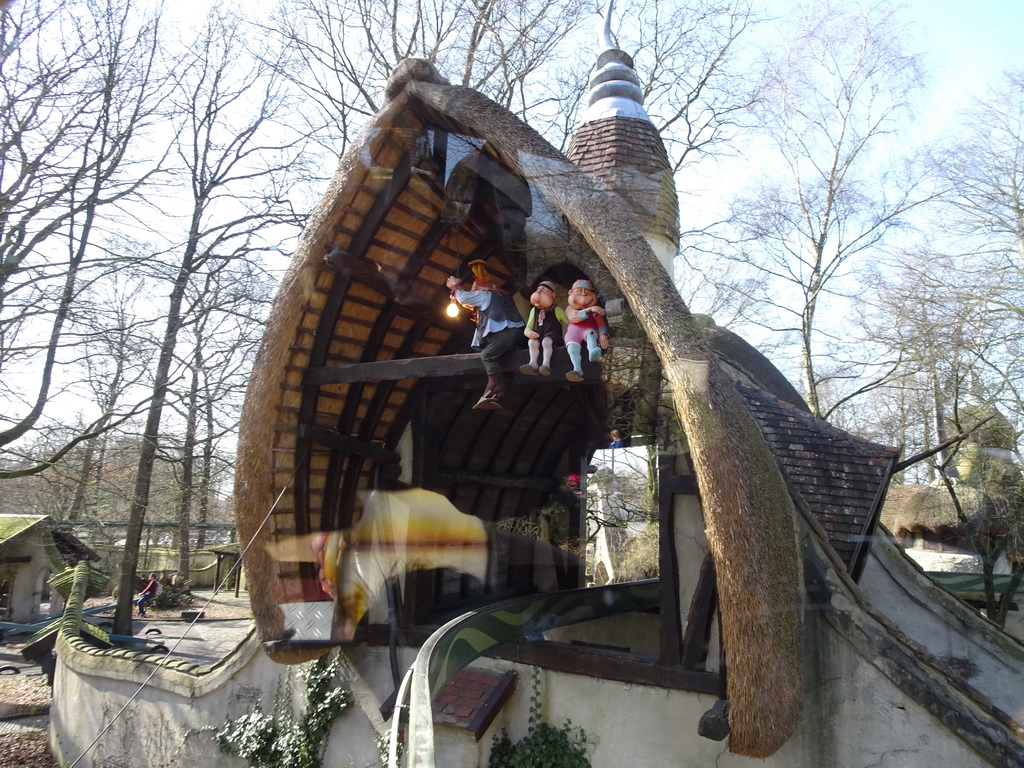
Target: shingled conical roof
[618,144]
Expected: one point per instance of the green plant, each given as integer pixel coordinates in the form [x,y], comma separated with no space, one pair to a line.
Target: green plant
[171,599]
[384,747]
[544,746]
[282,739]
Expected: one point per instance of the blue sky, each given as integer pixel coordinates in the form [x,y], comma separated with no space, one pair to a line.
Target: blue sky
[968,44]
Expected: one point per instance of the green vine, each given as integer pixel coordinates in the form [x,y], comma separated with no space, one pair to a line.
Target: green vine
[544,746]
[284,739]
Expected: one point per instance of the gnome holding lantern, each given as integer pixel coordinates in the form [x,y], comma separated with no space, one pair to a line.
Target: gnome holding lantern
[497,328]
[543,329]
[587,325]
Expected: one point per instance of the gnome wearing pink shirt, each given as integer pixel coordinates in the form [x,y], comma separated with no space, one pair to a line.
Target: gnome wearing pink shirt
[587,325]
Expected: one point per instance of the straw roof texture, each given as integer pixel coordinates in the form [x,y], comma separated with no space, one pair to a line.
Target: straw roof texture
[749,513]
[366,288]
[925,509]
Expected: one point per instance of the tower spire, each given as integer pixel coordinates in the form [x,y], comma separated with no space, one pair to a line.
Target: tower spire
[617,143]
[606,30]
[614,85]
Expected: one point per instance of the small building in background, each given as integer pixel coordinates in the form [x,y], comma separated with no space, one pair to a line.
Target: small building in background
[32,549]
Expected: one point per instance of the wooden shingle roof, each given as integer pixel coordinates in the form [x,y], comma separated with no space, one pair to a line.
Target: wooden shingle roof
[627,156]
[841,477]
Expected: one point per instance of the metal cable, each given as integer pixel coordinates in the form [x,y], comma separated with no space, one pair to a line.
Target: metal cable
[159,665]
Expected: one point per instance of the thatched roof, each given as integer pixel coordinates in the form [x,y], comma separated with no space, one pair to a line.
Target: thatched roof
[325,417]
[750,365]
[68,548]
[329,414]
[924,508]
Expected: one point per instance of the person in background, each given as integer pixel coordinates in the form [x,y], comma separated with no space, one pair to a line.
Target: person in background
[151,590]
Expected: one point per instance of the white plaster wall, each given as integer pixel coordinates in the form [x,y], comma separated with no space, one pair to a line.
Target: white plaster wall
[945,626]
[170,722]
[664,249]
[854,714]
[953,562]
[29,580]
[159,727]
[853,718]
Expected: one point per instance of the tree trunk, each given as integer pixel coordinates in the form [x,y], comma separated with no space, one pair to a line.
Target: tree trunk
[749,514]
[1016,573]
[150,445]
[188,472]
[205,476]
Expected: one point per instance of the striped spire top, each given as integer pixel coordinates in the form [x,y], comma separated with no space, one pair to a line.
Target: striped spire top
[617,143]
[614,86]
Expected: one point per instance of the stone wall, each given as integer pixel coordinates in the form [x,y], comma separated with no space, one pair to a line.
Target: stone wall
[874,695]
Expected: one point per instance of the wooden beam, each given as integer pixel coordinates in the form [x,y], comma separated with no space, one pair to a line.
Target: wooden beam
[334,439]
[607,665]
[535,482]
[668,561]
[698,621]
[366,272]
[444,365]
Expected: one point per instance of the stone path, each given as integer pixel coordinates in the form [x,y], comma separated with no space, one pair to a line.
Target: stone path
[24,724]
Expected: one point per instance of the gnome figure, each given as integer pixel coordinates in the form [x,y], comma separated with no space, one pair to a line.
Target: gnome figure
[586,326]
[543,329]
[497,328]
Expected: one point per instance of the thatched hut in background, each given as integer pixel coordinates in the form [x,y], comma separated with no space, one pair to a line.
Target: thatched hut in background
[969,530]
[32,549]
[924,518]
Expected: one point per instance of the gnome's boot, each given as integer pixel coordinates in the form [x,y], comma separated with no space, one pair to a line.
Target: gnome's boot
[531,368]
[549,345]
[576,374]
[593,347]
[489,400]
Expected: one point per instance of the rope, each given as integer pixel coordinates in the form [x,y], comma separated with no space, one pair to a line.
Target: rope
[156,667]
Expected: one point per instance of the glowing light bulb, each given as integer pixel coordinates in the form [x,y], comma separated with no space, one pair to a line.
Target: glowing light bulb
[453,308]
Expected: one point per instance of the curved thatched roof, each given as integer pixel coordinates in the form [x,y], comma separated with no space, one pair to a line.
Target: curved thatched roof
[327,413]
[925,508]
[750,364]
[340,388]
[913,508]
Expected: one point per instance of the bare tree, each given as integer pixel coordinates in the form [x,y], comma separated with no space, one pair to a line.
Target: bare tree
[989,499]
[950,311]
[524,55]
[686,56]
[835,94]
[342,53]
[960,357]
[234,158]
[218,344]
[79,85]
[114,364]
[985,170]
